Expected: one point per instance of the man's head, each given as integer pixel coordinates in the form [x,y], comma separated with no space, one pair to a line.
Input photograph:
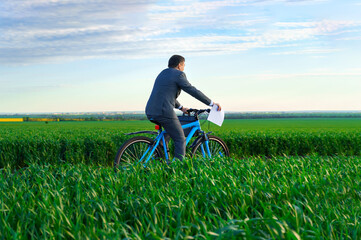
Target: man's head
[177,61]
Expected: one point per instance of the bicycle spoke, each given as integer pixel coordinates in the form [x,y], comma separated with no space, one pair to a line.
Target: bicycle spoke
[133,153]
[138,150]
[216,148]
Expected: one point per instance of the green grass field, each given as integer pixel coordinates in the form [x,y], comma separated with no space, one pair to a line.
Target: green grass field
[251,198]
[97,142]
[287,179]
[229,124]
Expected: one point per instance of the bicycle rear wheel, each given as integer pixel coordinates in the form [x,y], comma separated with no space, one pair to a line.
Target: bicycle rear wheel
[217,148]
[132,151]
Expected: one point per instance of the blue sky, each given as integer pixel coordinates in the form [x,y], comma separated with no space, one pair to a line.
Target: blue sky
[248,55]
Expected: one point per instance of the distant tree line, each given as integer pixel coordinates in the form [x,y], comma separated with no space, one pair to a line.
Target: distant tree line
[127,117]
[52,118]
[290,115]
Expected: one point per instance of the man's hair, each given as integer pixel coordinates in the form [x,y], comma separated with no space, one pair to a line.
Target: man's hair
[175,60]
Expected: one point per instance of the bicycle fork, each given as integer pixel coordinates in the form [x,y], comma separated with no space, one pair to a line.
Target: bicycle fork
[206,143]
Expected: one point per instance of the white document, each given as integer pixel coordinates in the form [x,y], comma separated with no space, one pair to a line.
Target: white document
[215,116]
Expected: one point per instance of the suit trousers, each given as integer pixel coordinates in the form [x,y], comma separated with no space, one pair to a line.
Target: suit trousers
[175,131]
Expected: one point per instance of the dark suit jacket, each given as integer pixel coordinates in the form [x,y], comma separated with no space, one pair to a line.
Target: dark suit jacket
[166,89]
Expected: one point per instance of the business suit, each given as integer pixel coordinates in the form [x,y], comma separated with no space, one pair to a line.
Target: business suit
[163,100]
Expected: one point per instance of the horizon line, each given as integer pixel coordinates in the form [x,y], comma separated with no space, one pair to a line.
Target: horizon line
[142,112]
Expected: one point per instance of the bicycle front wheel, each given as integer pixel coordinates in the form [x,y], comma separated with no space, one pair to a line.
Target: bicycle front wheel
[217,148]
[131,152]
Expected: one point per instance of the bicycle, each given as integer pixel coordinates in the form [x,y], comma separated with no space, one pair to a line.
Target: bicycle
[142,149]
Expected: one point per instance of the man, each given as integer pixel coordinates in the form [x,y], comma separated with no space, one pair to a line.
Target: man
[163,100]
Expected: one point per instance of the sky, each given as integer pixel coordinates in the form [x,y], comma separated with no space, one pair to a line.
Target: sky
[247,55]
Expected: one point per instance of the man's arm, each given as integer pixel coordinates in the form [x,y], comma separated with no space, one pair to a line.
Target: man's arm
[177,104]
[194,92]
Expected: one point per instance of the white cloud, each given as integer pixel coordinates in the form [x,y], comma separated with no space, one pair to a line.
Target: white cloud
[308,51]
[42,30]
[354,38]
[327,73]
[325,24]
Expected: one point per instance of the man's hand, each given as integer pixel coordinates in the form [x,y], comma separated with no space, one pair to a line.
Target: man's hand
[219,106]
[184,110]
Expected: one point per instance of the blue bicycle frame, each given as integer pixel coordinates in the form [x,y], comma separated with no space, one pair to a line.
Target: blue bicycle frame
[195,127]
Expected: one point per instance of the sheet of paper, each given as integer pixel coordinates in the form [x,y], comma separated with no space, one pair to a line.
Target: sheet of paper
[215,116]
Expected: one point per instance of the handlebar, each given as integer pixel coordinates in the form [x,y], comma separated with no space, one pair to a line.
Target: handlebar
[197,111]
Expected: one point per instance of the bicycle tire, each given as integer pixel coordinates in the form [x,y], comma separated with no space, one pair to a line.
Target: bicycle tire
[132,150]
[217,147]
